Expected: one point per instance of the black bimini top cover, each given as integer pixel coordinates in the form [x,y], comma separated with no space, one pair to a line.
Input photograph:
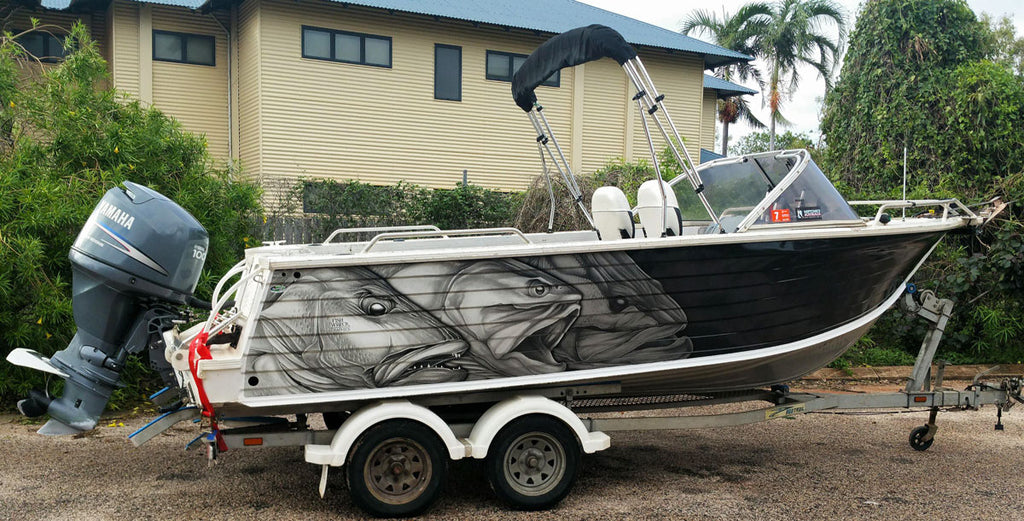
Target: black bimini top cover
[568,49]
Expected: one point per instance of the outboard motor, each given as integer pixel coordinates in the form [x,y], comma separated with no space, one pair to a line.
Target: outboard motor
[136,261]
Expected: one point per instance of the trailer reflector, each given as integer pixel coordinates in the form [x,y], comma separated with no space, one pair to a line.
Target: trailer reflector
[920,399]
[252,442]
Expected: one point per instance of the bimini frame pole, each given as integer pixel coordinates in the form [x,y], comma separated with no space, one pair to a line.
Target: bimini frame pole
[551,189]
[544,139]
[653,104]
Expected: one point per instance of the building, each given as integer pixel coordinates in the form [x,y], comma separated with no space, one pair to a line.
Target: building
[716,88]
[381,91]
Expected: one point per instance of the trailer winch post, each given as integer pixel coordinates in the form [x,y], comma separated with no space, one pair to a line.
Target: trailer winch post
[936,311]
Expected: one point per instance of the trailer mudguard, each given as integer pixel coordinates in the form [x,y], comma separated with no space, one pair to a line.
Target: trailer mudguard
[500,414]
[336,453]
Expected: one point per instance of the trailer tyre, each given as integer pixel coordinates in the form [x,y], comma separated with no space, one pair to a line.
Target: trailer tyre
[533,462]
[917,441]
[397,469]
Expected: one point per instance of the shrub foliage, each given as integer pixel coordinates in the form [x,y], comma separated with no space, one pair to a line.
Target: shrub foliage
[65,139]
[917,75]
[354,204]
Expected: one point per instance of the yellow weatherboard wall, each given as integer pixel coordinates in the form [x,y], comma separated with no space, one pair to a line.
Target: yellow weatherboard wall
[381,125]
[709,114]
[196,95]
[247,38]
[680,77]
[296,117]
[604,113]
[321,119]
[124,38]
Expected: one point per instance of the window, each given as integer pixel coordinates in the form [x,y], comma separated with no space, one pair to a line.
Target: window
[502,66]
[447,72]
[196,49]
[43,45]
[341,46]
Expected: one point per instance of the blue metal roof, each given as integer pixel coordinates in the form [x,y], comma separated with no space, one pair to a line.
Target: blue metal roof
[725,88]
[557,16]
[707,155]
[550,16]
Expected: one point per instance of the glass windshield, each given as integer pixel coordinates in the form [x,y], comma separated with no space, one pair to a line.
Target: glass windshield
[810,198]
[734,188]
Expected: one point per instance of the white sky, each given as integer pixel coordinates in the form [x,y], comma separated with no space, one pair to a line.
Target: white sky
[804,107]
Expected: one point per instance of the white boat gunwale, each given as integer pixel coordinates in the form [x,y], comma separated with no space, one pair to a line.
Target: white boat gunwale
[277,260]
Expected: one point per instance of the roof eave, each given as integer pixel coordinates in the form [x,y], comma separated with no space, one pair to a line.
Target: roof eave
[713,61]
[723,94]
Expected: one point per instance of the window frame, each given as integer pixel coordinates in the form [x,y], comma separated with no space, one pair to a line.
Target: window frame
[459,73]
[184,47]
[555,80]
[47,38]
[362,46]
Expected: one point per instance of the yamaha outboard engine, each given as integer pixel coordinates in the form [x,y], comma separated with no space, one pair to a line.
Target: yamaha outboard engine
[138,257]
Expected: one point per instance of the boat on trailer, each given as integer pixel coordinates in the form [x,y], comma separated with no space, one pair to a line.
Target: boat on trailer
[740,273]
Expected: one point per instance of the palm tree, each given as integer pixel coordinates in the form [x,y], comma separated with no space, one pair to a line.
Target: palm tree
[737,32]
[794,35]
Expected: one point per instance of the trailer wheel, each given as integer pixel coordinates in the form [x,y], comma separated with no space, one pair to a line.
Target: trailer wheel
[396,469]
[533,462]
[917,441]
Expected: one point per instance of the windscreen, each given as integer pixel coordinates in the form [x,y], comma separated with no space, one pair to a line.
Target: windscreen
[734,188]
[811,198]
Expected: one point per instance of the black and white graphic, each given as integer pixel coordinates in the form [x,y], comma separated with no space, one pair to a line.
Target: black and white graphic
[340,328]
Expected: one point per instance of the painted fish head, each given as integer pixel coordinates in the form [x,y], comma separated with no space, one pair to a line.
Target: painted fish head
[365,323]
[626,316]
[514,315]
[357,331]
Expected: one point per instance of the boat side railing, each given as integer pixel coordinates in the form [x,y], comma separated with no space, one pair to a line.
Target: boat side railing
[392,236]
[380,229]
[947,205]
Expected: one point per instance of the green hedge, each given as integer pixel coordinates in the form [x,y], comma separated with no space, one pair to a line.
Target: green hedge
[354,204]
[65,139]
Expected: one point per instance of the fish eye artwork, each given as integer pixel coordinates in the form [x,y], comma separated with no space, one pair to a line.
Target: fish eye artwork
[537,288]
[342,328]
[375,308]
[617,304]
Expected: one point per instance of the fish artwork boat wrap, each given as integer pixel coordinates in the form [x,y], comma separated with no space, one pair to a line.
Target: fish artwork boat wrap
[344,328]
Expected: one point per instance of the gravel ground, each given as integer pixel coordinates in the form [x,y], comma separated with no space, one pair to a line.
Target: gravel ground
[813,467]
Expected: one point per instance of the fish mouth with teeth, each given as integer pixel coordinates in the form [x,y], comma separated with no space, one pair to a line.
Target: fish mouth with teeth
[435,363]
[525,338]
[346,328]
[512,315]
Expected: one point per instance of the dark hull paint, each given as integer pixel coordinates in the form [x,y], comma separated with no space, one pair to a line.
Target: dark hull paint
[739,297]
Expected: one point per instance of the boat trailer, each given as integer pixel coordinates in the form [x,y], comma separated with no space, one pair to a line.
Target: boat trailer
[388,446]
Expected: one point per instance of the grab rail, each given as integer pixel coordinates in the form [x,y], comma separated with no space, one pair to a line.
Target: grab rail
[219,300]
[946,204]
[445,233]
[418,227]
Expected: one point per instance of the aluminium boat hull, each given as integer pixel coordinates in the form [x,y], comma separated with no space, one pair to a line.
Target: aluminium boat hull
[687,319]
